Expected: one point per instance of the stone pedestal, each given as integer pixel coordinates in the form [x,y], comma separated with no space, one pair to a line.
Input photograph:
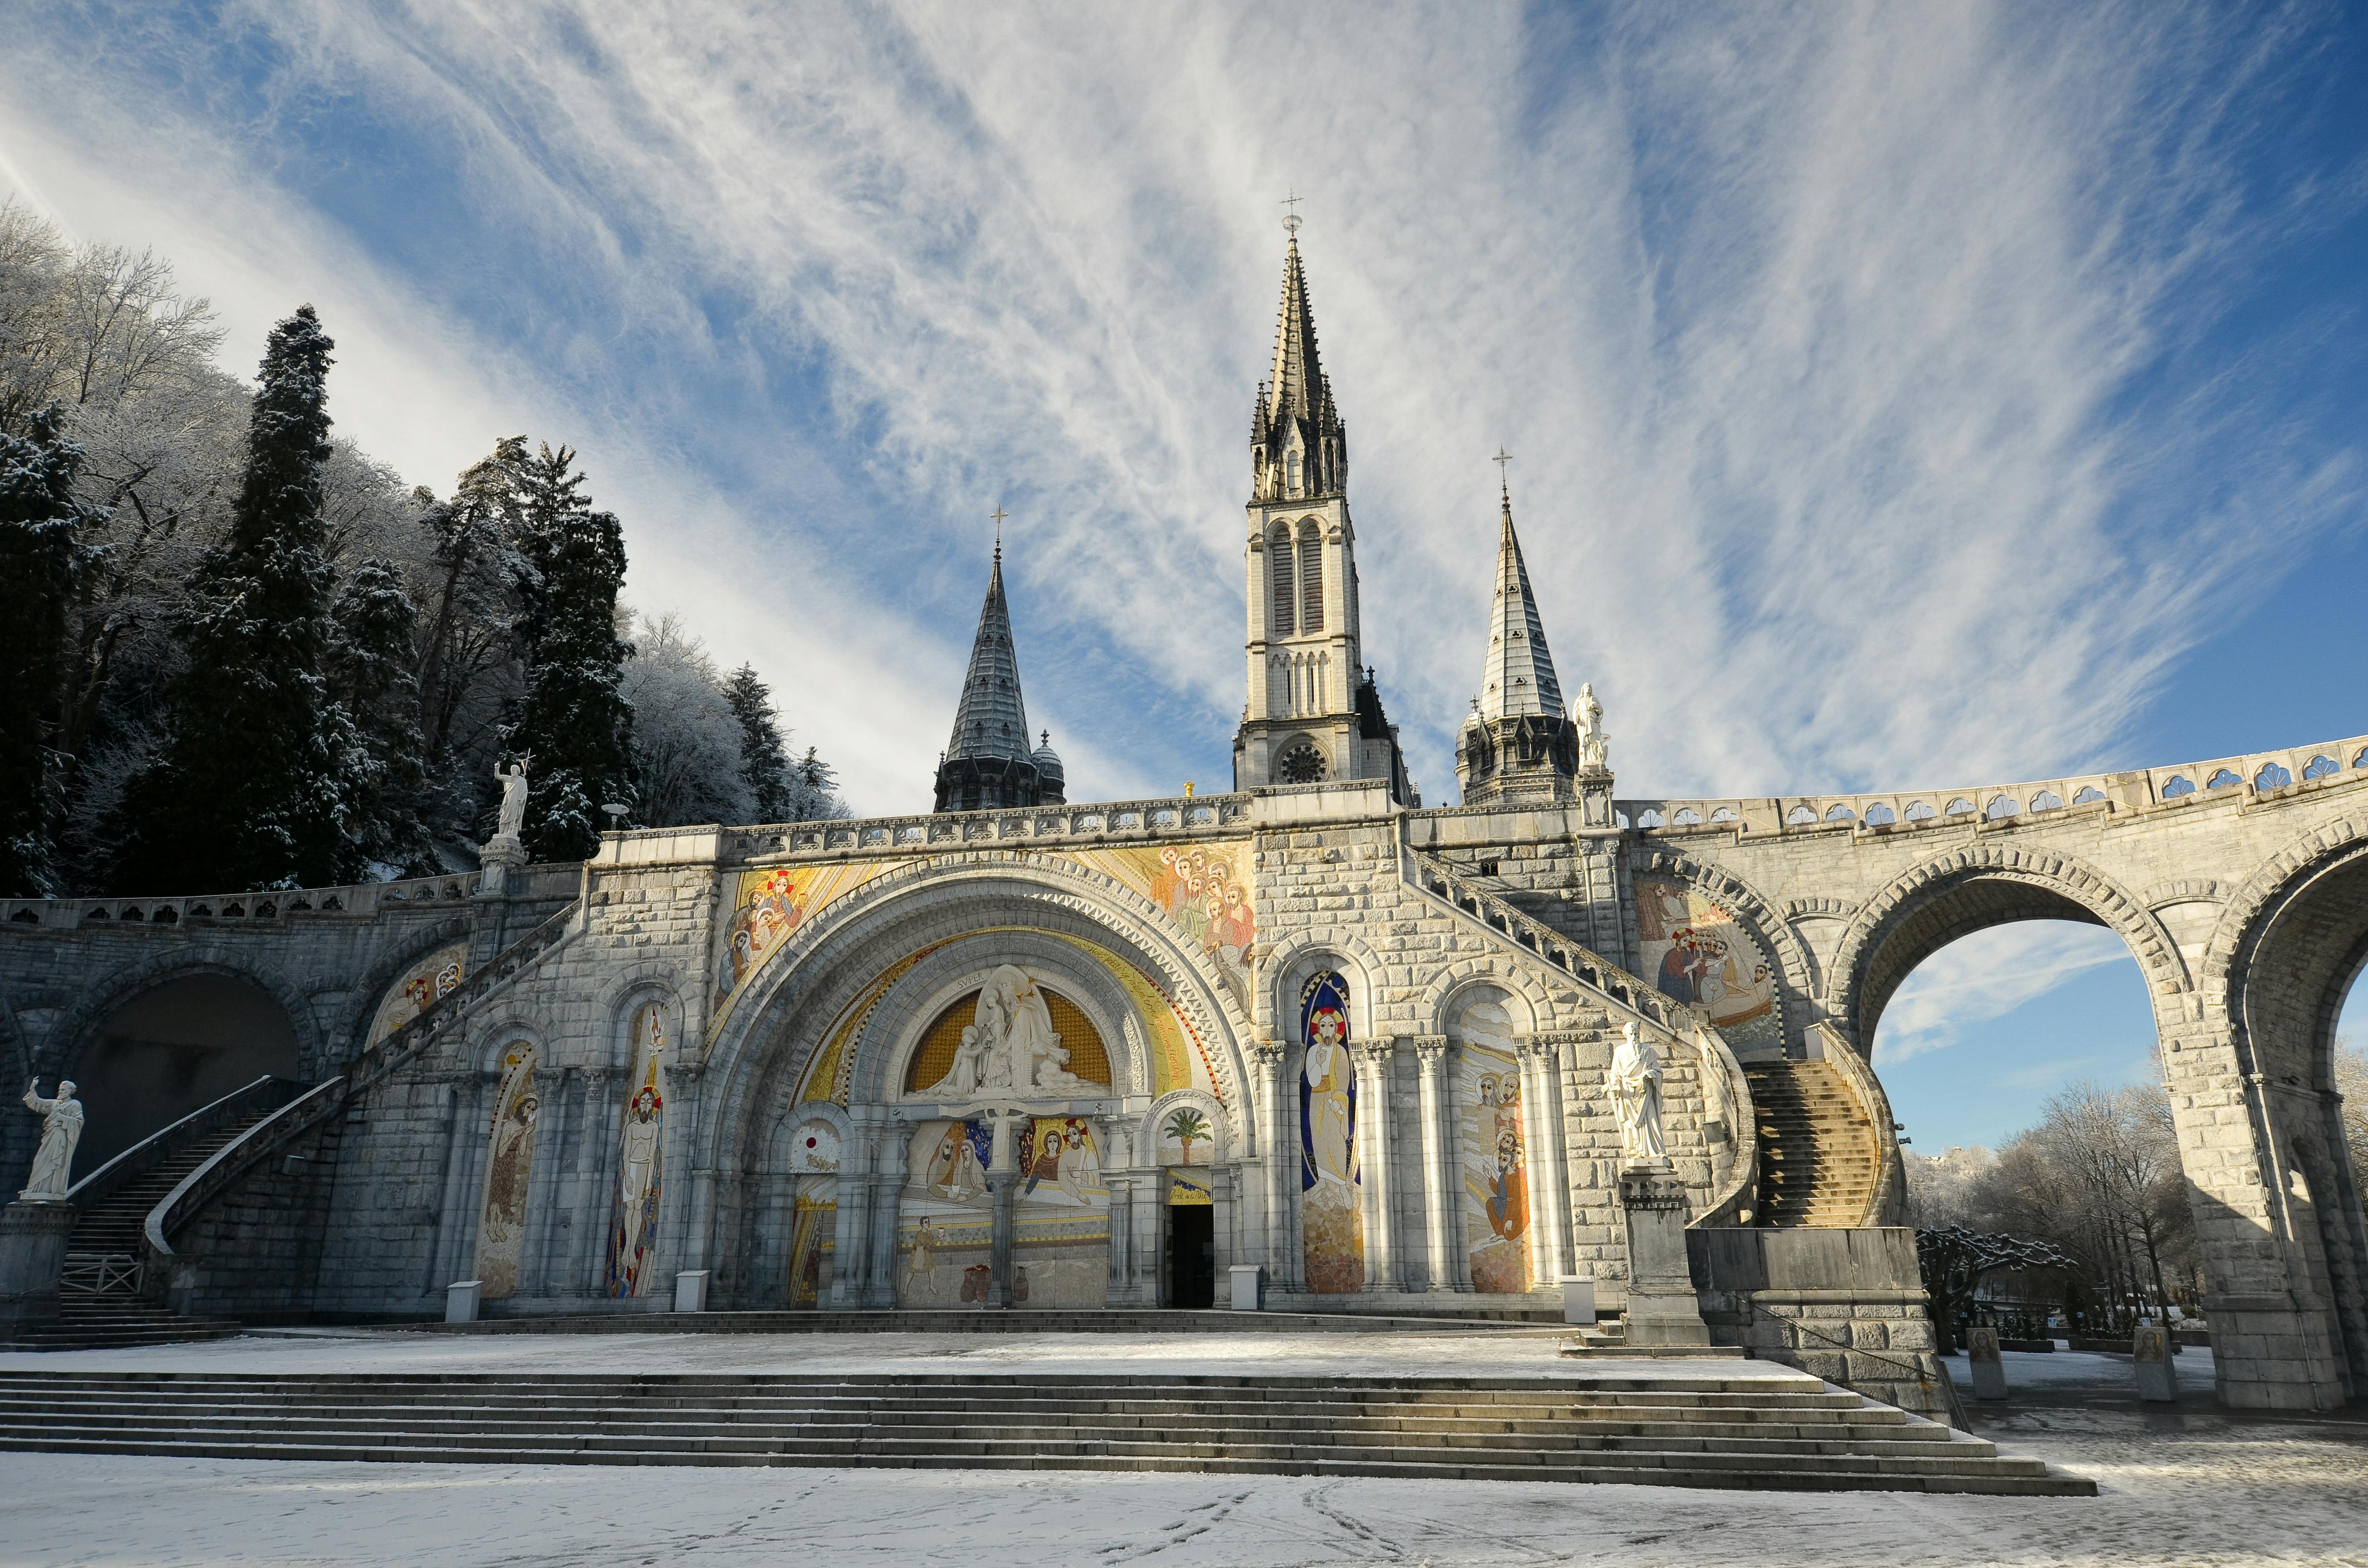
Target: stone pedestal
[1662,1309]
[460,1300]
[1245,1279]
[691,1290]
[498,856]
[32,1256]
[2150,1355]
[1989,1372]
[1579,1299]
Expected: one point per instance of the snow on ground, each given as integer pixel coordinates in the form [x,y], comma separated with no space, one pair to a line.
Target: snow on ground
[2179,1486]
[1270,1354]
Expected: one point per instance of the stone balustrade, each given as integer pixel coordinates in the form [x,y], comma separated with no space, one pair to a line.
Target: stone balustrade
[363,900]
[2253,775]
[1178,816]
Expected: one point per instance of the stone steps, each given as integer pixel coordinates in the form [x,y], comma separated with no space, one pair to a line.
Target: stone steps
[1819,1155]
[1792,1432]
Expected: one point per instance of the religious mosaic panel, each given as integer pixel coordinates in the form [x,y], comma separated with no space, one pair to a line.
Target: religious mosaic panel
[1332,1221]
[509,1163]
[431,977]
[1697,953]
[813,1153]
[1186,1136]
[1205,889]
[641,1161]
[1060,1214]
[1494,1145]
[766,908]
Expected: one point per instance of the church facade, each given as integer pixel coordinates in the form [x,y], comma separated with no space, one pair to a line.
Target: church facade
[1023,1052]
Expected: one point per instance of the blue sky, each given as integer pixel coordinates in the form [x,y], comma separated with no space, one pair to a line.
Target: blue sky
[1899,395]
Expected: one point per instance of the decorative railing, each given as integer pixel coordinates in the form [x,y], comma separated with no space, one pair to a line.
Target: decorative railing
[363,899]
[1177,816]
[2252,775]
[1591,968]
[365,1071]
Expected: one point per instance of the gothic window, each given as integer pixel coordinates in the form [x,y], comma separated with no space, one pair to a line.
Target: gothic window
[1880,815]
[1302,764]
[1311,577]
[2177,788]
[2088,795]
[2222,780]
[2318,768]
[2272,776]
[1279,552]
[1291,468]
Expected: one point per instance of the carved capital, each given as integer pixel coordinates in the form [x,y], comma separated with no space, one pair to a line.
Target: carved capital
[1266,1053]
[1431,1049]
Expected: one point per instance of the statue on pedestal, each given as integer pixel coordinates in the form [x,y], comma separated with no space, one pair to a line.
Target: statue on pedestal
[1593,743]
[60,1131]
[512,812]
[1636,1095]
[1013,1048]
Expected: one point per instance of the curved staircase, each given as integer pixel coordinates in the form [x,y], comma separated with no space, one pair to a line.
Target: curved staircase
[1820,1159]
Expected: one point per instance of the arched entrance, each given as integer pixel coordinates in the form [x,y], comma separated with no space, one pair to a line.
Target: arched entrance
[942,1014]
[171,1050]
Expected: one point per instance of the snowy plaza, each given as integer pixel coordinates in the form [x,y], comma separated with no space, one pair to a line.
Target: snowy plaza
[2188,1485]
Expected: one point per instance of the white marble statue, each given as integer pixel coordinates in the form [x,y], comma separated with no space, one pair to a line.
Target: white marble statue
[513,798]
[1012,1048]
[1593,743]
[1636,1095]
[60,1131]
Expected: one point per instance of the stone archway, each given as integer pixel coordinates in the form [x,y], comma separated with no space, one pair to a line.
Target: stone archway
[172,1049]
[2289,949]
[841,1015]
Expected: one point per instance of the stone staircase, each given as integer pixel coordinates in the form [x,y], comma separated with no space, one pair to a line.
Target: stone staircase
[1819,1155]
[1781,1432]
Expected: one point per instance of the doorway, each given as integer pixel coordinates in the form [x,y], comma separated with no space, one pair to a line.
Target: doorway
[1192,1256]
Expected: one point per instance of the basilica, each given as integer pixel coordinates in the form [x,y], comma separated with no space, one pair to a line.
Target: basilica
[1304,1045]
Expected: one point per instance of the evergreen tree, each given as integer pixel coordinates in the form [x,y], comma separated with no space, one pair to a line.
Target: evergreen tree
[370,677]
[249,788]
[763,764]
[573,721]
[41,555]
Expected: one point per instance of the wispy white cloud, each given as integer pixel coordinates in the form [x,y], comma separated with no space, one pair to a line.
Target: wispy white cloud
[1829,341]
[1986,976]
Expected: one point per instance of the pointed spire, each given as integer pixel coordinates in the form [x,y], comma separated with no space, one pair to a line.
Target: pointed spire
[1295,421]
[1519,678]
[992,721]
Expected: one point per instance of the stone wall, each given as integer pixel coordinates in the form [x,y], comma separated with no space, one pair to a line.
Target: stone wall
[1844,1305]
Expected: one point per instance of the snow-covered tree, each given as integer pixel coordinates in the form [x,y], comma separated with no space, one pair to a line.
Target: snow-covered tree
[572,719]
[687,737]
[41,555]
[763,765]
[369,666]
[250,787]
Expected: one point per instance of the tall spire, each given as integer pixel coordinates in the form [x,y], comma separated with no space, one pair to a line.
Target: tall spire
[1519,678]
[1299,446]
[992,721]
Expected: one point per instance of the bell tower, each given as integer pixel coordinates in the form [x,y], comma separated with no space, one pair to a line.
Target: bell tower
[1314,715]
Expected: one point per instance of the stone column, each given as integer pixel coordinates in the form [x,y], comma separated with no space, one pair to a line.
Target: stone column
[1282,1140]
[1537,1138]
[535,1277]
[475,1131]
[1554,1054]
[1438,1159]
[697,1211]
[887,1199]
[848,1253]
[596,1157]
[447,1211]
[1374,1058]
[1662,1307]
[1118,1286]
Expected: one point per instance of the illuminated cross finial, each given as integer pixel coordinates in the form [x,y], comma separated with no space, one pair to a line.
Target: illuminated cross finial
[999,514]
[1290,218]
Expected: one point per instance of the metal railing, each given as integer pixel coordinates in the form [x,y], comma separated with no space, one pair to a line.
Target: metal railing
[115,1275]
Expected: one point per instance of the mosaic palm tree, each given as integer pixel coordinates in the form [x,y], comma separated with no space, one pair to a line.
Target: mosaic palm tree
[1188,1127]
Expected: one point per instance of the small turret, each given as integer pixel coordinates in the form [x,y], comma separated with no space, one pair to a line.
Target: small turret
[1051,780]
[988,764]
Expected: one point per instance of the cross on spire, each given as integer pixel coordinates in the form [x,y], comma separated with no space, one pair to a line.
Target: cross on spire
[1290,218]
[998,514]
[1500,459]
